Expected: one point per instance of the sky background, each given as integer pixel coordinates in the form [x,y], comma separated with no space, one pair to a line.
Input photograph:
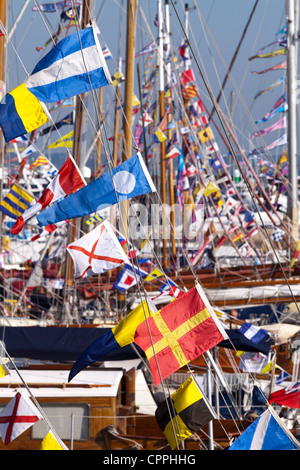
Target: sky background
[224,22]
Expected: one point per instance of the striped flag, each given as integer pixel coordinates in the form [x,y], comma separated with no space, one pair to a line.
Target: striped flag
[16,202]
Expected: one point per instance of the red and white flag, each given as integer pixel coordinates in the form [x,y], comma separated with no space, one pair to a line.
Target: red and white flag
[97,252]
[67,180]
[2,30]
[49,229]
[17,416]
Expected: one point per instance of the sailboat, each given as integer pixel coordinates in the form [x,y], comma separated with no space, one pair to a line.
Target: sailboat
[220,216]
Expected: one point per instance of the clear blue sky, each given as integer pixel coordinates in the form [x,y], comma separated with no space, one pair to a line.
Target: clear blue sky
[225,20]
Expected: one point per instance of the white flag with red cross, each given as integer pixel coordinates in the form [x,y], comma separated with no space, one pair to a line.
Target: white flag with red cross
[97,252]
[18,415]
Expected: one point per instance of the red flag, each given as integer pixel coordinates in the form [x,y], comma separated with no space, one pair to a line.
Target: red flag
[289,396]
[67,180]
[187,76]
[181,331]
[16,417]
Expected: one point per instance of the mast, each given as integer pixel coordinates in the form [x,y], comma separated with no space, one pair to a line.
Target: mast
[292,48]
[171,182]
[127,119]
[75,223]
[162,146]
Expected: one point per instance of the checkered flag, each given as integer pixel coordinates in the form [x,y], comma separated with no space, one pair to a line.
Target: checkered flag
[277,234]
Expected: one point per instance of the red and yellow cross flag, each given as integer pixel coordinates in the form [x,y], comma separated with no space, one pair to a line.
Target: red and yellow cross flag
[180,332]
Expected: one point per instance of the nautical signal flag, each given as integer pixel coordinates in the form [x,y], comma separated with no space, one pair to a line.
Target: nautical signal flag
[129,179]
[268,432]
[289,396]
[295,254]
[205,135]
[50,443]
[154,275]
[97,252]
[67,180]
[16,201]
[65,141]
[128,278]
[184,413]
[74,66]
[180,332]
[18,415]
[112,340]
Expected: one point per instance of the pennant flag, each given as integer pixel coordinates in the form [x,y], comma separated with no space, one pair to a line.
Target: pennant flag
[74,66]
[50,443]
[240,342]
[269,54]
[16,202]
[42,160]
[277,143]
[180,332]
[49,229]
[267,432]
[281,124]
[183,414]
[66,121]
[97,252]
[205,135]
[129,179]
[18,415]
[278,82]
[280,66]
[65,141]
[112,340]
[154,275]
[289,396]
[128,278]
[67,180]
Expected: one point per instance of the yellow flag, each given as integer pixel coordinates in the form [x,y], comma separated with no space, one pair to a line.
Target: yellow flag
[50,443]
[154,274]
[3,370]
[160,135]
[135,101]
[65,141]
[205,135]
[210,189]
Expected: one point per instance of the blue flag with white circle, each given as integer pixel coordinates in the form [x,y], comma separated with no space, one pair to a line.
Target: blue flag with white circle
[129,179]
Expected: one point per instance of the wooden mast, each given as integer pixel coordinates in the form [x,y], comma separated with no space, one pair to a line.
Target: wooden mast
[162,146]
[127,119]
[74,225]
[171,169]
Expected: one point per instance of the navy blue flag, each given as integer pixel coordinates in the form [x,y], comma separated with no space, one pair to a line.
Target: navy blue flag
[240,342]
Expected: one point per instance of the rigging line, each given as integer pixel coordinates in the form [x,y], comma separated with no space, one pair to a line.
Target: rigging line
[34,399]
[218,111]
